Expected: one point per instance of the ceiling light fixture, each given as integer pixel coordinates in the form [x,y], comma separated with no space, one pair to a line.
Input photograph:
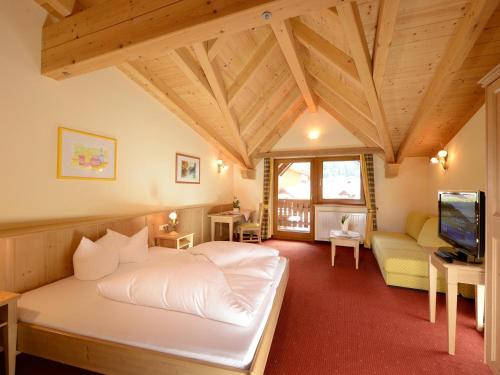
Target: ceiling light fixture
[313,134]
[266,16]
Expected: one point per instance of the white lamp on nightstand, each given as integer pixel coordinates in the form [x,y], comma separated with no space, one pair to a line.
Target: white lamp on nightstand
[173,221]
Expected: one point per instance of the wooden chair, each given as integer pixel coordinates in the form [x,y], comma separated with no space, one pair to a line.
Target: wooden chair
[251,232]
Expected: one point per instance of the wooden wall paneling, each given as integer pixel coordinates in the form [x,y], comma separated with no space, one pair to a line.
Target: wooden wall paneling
[350,20]
[116,31]
[385,30]
[470,28]
[191,220]
[286,39]
[6,264]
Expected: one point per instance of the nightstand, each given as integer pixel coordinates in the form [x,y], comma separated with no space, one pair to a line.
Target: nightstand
[175,240]
[8,324]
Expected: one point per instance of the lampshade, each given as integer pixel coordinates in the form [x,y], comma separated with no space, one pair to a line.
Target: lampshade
[434,160]
[173,216]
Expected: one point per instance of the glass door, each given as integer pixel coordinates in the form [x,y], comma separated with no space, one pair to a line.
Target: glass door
[292,199]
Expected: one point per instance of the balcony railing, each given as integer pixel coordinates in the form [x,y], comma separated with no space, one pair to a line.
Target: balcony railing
[294,215]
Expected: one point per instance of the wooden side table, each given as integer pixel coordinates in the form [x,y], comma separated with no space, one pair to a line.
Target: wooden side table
[351,239]
[8,324]
[175,240]
[456,272]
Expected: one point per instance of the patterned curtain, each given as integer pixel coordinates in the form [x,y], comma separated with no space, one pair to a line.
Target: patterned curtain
[369,190]
[267,191]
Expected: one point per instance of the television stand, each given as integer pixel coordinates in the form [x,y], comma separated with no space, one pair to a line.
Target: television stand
[455,273]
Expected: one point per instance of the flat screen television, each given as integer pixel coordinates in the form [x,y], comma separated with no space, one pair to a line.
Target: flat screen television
[462,222]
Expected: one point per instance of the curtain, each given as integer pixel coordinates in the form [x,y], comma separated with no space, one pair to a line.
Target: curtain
[265,233]
[369,190]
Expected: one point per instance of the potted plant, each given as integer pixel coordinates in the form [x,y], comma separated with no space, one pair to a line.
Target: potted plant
[344,223]
[236,205]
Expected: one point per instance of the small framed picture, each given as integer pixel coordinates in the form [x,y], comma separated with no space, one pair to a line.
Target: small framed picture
[85,156]
[187,169]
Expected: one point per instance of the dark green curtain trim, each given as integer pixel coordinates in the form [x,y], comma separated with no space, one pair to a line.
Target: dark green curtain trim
[371,187]
[267,190]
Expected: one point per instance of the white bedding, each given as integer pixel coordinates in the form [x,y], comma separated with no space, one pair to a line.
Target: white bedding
[74,306]
[191,284]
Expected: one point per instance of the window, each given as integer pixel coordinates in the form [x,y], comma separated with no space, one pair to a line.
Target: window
[340,181]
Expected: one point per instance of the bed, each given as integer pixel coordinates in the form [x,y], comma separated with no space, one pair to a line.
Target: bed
[69,322]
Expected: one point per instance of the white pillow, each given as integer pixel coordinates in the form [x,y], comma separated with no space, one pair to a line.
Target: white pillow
[92,261]
[131,249]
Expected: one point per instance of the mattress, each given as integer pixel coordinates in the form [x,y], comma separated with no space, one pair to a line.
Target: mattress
[74,306]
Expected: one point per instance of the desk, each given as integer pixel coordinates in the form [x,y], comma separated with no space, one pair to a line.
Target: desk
[8,323]
[454,273]
[229,218]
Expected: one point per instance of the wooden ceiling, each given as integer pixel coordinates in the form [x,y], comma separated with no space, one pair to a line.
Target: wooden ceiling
[401,75]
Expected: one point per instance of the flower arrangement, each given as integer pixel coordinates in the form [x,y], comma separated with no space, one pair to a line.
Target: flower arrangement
[344,218]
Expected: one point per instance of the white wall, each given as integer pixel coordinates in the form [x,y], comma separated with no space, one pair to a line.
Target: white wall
[466,161]
[104,102]
[332,134]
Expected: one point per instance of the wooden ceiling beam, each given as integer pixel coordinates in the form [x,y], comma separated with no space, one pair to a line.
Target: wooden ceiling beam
[139,73]
[346,93]
[193,71]
[265,130]
[217,83]
[58,8]
[252,67]
[322,47]
[354,119]
[281,128]
[477,15]
[387,17]
[115,31]
[351,23]
[319,152]
[284,34]
[261,104]
[215,47]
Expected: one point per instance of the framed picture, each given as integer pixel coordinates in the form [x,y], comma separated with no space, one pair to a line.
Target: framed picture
[85,156]
[187,169]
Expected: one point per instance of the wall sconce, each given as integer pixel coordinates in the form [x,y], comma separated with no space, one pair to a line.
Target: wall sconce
[441,158]
[221,165]
[313,134]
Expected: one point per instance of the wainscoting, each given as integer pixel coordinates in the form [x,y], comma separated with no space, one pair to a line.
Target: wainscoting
[39,254]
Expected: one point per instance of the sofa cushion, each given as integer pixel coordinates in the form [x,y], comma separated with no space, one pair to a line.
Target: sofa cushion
[428,236]
[414,223]
[393,240]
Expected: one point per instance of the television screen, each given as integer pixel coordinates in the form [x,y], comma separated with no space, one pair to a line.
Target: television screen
[460,221]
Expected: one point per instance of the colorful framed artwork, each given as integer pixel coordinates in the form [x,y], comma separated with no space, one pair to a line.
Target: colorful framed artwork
[187,169]
[85,156]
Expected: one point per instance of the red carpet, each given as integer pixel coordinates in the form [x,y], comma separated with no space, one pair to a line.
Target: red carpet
[342,321]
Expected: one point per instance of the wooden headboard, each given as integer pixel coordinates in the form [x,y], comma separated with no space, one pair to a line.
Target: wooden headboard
[37,255]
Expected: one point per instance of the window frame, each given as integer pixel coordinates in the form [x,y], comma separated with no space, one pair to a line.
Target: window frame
[349,202]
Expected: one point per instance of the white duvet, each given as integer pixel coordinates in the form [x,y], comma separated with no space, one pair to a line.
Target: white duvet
[228,286]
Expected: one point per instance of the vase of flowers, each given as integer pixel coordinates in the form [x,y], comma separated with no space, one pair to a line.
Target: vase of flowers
[236,205]
[344,223]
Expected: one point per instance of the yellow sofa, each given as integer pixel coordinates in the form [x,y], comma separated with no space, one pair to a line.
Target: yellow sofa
[401,258]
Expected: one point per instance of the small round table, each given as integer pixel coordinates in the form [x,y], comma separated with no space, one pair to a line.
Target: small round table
[349,239]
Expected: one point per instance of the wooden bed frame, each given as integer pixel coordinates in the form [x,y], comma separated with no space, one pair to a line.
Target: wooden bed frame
[37,255]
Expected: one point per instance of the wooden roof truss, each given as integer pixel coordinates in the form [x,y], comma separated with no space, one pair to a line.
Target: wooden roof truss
[399,75]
